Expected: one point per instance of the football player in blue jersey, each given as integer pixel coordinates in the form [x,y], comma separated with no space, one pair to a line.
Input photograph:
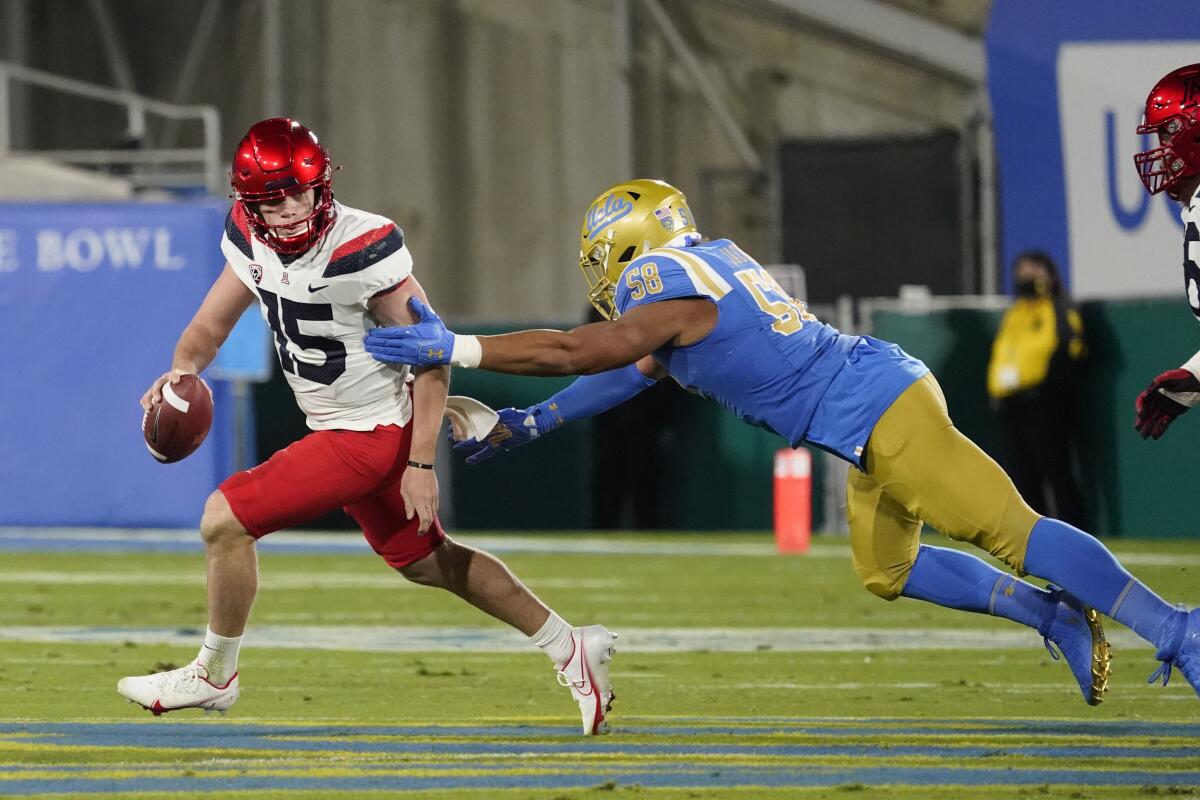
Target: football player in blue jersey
[706,314]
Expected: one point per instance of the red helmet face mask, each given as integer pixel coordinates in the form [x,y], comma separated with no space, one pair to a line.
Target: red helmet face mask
[1173,113]
[278,158]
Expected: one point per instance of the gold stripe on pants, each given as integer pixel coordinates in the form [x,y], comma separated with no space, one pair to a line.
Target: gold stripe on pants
[920,468]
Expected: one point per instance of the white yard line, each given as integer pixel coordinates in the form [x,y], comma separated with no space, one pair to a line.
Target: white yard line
[584,544]
[366,638]
[1057,687]
[267,581]
[138,539]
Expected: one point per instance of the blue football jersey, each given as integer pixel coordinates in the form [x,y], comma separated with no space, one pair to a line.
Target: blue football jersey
[768,360]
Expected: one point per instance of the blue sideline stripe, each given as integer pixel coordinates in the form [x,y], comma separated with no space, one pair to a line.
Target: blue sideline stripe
[351,739]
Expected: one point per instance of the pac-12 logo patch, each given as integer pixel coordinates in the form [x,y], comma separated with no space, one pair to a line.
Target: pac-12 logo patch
[665,219]
[256,273]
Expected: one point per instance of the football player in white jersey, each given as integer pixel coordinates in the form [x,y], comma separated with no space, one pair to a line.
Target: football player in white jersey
[324,274]
[1173,115]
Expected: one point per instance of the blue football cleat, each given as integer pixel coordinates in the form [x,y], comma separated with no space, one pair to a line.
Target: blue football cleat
[1076,630]
[1181,648]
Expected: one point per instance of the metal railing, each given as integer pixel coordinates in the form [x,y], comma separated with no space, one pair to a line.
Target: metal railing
[162,168]
[923,304]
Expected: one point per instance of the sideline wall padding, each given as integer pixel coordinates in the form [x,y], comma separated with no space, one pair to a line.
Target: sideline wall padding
[92,300]
[1131,487]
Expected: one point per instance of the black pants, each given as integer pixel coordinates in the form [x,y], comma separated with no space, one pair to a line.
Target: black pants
[633,446]
[1038,428]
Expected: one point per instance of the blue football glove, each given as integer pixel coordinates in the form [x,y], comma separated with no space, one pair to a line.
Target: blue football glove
[516,426]
[425,344]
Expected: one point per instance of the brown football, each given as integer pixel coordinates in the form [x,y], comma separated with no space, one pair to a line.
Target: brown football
[174,428]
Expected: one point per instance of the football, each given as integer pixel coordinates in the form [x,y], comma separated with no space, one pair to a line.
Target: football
[174,428]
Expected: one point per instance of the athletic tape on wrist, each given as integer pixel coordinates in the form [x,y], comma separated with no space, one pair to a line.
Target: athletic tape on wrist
[1188,399]
[1192,365]
[468,352]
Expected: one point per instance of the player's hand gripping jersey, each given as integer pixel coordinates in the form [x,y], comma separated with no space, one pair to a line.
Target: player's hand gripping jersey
[768,360]
[316,305]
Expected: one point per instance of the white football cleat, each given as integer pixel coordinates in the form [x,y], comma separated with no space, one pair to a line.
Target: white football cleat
[186,687]
[585,673]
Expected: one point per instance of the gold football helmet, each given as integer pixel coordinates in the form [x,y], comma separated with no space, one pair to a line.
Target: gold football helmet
[621,224]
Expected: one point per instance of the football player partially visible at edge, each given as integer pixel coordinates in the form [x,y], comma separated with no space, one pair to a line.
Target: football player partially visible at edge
[323,274]
[1173,115]
[709,316]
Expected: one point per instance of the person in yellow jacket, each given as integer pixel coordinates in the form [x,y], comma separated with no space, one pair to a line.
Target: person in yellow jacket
[1036,351]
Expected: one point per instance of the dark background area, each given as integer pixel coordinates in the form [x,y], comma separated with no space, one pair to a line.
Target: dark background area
[865,216]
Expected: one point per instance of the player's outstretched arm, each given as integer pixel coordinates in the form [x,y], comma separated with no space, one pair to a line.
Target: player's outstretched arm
[586,397]
[204,335]
[586,350]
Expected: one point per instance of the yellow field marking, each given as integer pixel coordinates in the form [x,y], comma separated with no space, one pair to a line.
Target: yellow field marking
[426,769]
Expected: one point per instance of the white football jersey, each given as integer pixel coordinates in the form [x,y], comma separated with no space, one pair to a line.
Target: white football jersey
[1191,251]
[316,306]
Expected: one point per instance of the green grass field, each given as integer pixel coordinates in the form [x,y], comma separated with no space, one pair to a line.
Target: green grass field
[739,674]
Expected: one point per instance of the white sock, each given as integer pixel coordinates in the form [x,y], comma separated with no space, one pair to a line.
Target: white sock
[218,656]
[554,637]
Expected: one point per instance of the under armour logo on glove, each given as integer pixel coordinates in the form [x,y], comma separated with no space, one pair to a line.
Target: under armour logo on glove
[425,344]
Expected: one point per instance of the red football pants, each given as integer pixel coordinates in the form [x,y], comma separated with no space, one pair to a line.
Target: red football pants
[358,471]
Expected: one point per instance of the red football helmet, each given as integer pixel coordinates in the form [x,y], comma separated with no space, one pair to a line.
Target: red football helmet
[1172,112]
[280,157]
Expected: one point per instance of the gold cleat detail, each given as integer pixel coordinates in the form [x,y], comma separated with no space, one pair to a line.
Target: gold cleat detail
[1101,657]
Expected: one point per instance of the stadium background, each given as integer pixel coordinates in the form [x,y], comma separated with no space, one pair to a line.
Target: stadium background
[859,143]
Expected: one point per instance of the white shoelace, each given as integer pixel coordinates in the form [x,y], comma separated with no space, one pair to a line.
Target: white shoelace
[184,680]
[564,680]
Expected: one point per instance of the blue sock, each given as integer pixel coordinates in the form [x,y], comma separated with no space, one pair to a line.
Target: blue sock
[1084,567]
[960,580]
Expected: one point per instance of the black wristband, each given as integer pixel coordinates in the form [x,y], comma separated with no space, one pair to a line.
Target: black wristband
[419,465]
